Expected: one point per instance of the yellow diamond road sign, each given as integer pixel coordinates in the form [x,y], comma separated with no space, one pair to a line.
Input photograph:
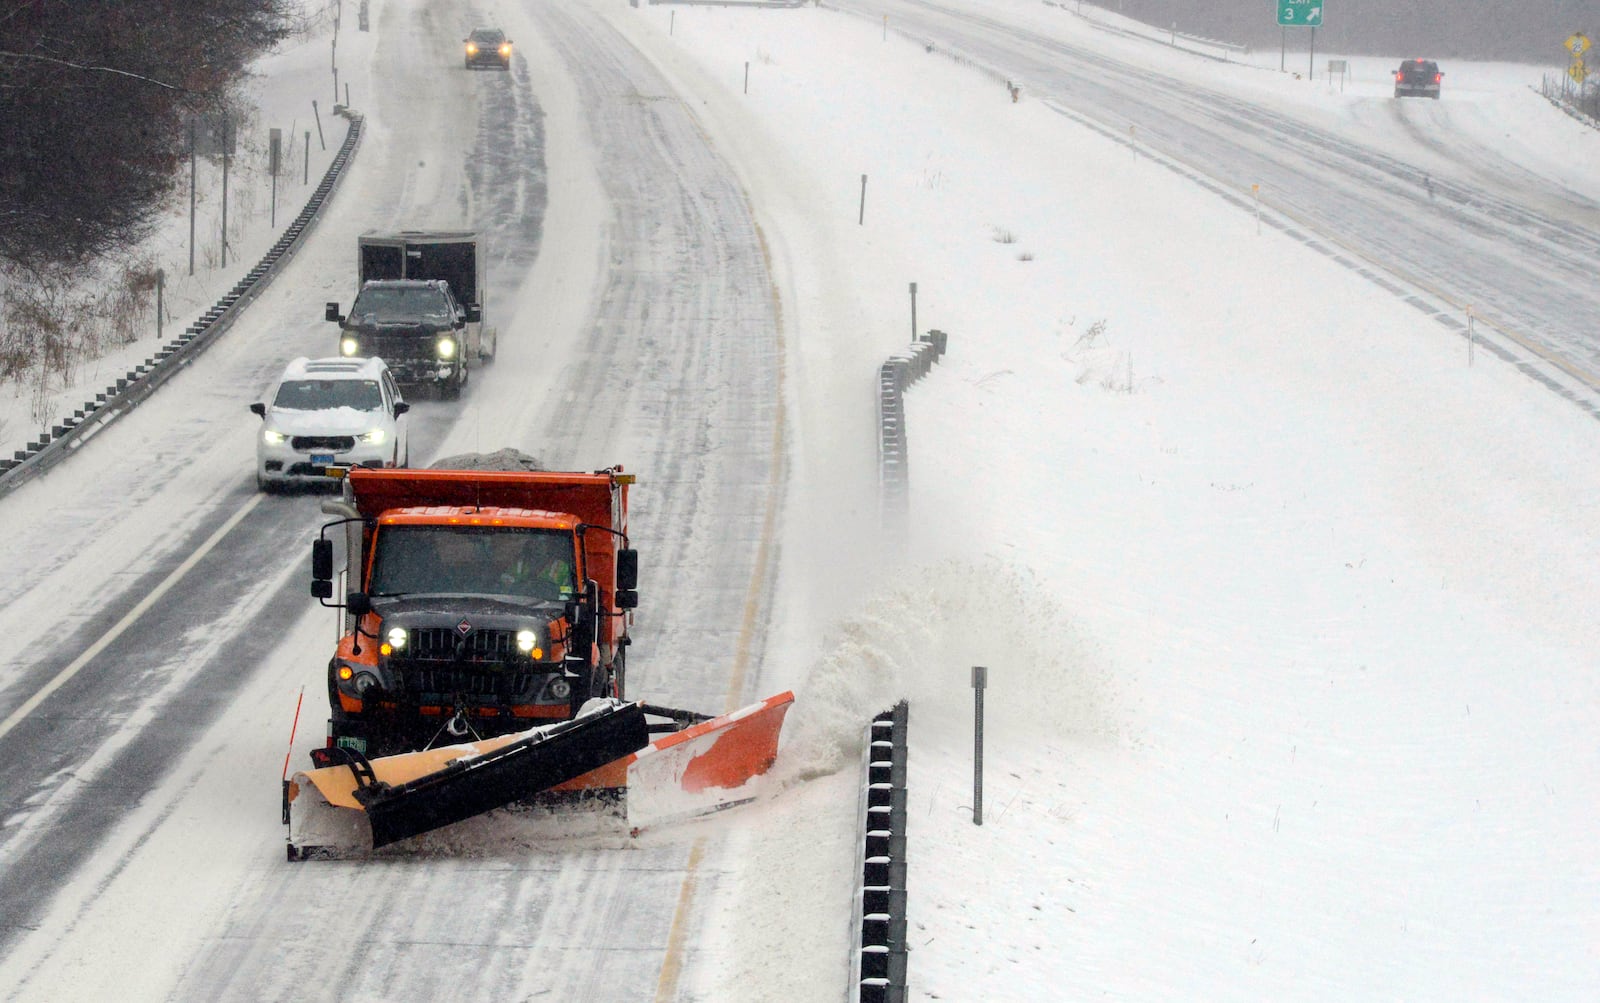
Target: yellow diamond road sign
[1577,71]
[1578,44]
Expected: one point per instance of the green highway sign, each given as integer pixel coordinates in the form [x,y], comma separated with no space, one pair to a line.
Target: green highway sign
[1300,13]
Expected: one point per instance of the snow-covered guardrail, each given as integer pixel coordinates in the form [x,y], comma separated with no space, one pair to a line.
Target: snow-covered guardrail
[895,376]
[141,381]
[878,966]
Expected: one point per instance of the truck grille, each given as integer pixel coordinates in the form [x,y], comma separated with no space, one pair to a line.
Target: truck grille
[322,443]
[430,684]
[439,644]
[411,346]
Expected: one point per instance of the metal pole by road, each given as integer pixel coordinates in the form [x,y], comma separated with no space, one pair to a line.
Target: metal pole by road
[274,155]
[224,190]
[161,282]
[980,680]
[913,312]
[305,179]
[861,214]
[1311,62]
[191,195]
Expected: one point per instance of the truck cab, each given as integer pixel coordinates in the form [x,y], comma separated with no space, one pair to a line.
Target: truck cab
[476,620]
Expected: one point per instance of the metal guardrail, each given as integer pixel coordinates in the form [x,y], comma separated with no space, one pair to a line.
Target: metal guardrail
[878,967]
[1582,103]
[895,376]
[141,381]
[1166,36]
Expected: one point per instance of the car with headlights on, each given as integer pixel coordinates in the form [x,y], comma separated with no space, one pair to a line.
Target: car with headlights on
[488,47]
[326,413]
[417,326]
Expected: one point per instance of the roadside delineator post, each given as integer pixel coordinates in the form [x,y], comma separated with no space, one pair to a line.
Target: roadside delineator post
[980,680]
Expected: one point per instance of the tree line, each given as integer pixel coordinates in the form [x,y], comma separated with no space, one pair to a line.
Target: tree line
[94,95]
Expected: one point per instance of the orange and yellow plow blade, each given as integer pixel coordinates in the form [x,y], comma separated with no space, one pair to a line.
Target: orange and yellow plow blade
[336,810]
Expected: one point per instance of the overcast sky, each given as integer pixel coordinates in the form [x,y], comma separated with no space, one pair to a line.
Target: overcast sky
[1530,31]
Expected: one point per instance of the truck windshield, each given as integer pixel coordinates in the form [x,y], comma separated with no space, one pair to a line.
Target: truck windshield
[472,560]
[324,395]
[383,302]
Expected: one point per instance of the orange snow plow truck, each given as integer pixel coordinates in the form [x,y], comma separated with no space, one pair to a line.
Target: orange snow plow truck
[482,662]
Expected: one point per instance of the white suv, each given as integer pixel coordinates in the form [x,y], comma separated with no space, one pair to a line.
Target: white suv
[330,412]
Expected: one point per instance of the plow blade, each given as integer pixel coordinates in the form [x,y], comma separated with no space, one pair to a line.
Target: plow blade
[364,804]
[706,767]
[360,805]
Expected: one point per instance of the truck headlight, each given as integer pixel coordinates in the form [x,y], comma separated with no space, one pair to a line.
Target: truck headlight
[375,437]
[273,437]
[397,638]
[349,346]
[528,643]
[447,348]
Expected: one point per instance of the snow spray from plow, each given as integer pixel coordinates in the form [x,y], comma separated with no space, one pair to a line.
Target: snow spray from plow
[349,805]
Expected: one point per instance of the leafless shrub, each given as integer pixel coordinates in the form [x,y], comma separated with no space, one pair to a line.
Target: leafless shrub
[1094,333]
[54,320]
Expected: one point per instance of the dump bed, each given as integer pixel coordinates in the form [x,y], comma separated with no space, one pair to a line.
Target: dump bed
[599,499]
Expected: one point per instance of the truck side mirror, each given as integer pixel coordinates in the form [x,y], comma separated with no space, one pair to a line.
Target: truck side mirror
[400,408]
[259,408]
[322,565]
[358,604]
[474,313]
[332,313]
[627,599]
[627,570]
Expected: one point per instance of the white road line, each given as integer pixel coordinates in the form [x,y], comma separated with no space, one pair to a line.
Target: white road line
[144,604]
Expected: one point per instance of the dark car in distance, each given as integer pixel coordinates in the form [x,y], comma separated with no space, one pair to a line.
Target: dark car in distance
[1417,78]
[488,47]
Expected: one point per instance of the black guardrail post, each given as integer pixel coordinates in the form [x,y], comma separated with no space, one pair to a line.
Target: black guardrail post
[895,377]
[879,965]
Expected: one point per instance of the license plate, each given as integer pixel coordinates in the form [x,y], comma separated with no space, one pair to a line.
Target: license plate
[321,457]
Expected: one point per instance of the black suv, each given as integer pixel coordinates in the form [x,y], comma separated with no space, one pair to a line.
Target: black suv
[488,47]
[1417,78]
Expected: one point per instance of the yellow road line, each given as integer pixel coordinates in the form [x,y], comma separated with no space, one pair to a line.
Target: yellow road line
[672,964]
[672,967]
